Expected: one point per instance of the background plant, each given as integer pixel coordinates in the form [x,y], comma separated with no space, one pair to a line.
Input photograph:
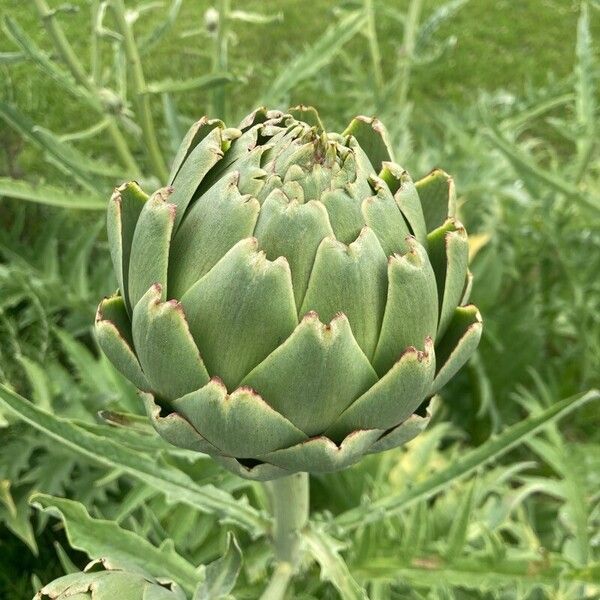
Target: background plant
[522,145]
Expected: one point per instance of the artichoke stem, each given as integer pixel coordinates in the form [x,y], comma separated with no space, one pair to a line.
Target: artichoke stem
[290,504]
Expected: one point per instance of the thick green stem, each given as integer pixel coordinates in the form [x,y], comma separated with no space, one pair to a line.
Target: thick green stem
[290,504]
[139,89]
[220,59]
[95,51]
[411,29]
[279,583]
[374,50]
[61,43]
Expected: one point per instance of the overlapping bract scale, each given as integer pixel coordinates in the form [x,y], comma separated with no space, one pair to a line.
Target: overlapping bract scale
[292,298]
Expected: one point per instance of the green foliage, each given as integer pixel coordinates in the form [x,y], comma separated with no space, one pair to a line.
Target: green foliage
[494,500]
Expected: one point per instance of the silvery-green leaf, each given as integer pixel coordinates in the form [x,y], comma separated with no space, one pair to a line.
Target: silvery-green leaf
[222,574]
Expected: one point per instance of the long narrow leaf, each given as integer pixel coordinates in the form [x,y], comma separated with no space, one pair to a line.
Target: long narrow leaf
[175,484]
[585,102]
[315,58]
[222,574]
[49,195]
[523,163]
[73,157]
[482,574]
[55,150]
[204,82]
[572,485]
[458,531]
[149,41]
[47,65]
[470,461]
[538,109]
[9,58]
[437,20]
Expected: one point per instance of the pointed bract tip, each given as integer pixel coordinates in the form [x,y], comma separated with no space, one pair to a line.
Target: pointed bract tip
[311,315]
[216,381]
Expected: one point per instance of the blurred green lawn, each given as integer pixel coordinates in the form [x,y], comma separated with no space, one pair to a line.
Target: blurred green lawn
[502,44]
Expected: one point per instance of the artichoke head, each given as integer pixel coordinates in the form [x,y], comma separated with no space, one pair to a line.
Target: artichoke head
[106,580]
[291,298]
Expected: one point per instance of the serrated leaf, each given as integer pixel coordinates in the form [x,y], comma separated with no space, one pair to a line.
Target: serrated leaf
[14,514]
[70,156]
[100,538]
[85,365]
[468,463]
[221,575]
[325,550]
[38,380]
[54,151]
[175,484]
[457,535]
[525,166]
[46,65]
[434,22]
[562,459]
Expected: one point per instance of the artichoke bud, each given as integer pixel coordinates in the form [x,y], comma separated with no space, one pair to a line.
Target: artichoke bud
[211,20]
[111,101]
[292,299]
[103,578]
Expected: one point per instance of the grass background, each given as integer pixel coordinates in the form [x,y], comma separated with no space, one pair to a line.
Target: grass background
[501,45]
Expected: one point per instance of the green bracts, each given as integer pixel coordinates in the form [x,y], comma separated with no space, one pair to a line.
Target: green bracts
[291,298]
[106,580]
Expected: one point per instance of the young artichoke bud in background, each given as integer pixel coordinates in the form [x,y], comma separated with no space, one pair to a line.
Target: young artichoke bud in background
[106,579]
[211,19]
[291,298]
